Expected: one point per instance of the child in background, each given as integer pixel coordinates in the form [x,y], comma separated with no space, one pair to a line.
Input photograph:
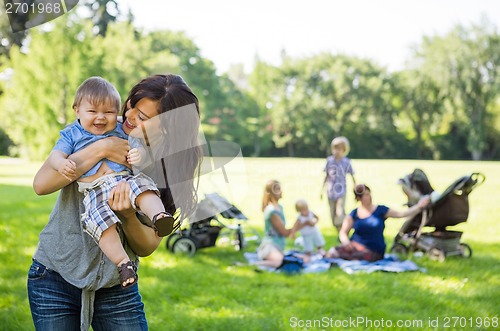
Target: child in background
[338,165]
[96,105]
[313,239]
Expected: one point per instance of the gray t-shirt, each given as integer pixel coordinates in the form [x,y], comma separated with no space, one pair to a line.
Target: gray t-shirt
[66,249]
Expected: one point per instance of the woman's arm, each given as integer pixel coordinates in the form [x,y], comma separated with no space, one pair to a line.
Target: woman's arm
[353,180]
[345,229]
[141,238]
[279,226]
[47,180]
[410,212]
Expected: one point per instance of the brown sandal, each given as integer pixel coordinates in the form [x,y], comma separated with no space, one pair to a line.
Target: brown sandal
[163,224]
[128,271]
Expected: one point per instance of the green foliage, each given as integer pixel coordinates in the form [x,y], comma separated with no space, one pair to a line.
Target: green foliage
[465,64]
[312,100]
[209,292]
[39,98]
[420,104]
[7,37]
[102,13]
[445,105]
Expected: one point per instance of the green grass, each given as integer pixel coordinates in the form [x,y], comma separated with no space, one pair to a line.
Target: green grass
[207,292]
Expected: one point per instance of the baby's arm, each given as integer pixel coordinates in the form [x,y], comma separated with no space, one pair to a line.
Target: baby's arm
[59,161]
[323,186]
[48,180]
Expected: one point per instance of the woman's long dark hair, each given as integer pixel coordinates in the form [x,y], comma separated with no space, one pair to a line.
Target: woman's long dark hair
[181,154]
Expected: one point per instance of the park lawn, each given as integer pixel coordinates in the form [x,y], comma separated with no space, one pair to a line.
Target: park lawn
[209,292]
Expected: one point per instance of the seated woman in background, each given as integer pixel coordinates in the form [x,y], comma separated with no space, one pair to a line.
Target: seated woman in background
[368,221]
[270,251]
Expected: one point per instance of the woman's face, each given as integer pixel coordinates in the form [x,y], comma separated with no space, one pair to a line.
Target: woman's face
[366,198]
[276,191]
[143,111]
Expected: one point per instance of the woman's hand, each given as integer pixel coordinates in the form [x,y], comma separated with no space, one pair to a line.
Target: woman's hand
[141,238]
[119,200]
[114,149]
[424,201]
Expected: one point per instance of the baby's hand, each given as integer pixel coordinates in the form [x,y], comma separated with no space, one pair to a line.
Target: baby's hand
[67,169]
[134,156]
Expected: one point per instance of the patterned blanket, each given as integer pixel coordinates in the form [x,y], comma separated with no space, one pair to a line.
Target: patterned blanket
[390,263]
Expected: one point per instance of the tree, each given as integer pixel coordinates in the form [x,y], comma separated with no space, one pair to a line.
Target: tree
[8,38]
[262,82]
[103,13]
[38,100]
[421,104]
[315,99]
[57,61]
[465,64]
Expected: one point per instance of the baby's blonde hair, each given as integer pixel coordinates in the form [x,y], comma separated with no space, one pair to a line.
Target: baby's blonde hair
[341,141]
[300,204]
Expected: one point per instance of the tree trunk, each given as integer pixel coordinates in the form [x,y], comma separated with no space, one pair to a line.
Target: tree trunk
[476,155]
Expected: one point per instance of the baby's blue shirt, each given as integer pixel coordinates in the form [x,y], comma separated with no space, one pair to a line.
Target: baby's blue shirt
[74,138]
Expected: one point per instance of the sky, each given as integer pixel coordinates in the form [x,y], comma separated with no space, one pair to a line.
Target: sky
[236,31]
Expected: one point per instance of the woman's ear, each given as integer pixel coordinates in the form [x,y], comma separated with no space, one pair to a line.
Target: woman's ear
[129,105]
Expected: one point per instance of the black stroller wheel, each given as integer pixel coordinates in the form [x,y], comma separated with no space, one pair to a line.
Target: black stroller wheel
[170,240]
[436,254]
[400,250]
[465,250]
[185,246]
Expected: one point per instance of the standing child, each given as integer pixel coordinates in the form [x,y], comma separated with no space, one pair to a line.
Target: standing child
[308,228]
[338,165]
[96,105]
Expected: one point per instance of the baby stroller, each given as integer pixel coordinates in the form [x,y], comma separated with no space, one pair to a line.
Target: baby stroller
[206,228]
[446,209]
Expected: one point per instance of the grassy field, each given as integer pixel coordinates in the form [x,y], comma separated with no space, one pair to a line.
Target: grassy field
[209,292]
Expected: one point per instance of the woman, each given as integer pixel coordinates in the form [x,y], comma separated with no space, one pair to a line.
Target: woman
[270,251]
[71,285]
[368,220]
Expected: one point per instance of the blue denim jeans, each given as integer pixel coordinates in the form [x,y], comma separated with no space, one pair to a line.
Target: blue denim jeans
[55,304]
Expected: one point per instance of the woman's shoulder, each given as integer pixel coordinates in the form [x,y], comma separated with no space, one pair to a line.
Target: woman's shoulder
[381,210]
[270,208]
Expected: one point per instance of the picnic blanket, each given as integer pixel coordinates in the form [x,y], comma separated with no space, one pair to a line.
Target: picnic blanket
[390,263]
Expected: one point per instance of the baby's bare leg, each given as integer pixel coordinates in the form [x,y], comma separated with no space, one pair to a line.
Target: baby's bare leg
[150,204]
[112,247]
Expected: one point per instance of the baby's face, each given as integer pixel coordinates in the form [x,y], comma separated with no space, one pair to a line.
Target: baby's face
[303,210]
[96,119]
